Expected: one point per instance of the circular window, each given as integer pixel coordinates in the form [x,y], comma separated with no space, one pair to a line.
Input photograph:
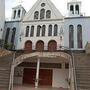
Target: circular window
[43,4]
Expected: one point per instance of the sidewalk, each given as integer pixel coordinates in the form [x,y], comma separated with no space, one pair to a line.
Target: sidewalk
[26,87]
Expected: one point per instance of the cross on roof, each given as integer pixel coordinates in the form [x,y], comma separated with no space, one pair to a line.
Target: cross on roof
[20,1]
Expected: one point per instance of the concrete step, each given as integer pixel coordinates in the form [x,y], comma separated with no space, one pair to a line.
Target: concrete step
[80,88]
[82,74]
[83,79]
[4,81]
[4,74]
[82,68]
[83,86]
[84,82]
[3,88]
[4,78]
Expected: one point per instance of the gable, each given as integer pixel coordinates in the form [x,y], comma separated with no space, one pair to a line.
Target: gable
[46,5]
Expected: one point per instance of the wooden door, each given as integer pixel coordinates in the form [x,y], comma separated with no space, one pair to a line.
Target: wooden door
[29,76]
[45,77]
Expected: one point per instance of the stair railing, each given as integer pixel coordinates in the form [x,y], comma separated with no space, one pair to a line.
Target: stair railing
[12,73]
[72,73]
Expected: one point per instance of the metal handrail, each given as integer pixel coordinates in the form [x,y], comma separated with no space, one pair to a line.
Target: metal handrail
[74,72]
[11,73]
[72,66]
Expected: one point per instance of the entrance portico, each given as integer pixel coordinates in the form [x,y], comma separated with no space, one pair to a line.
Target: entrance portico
[46,67]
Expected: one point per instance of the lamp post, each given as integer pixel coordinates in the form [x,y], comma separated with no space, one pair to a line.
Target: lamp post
[21,36]
[72,76]
[61,34]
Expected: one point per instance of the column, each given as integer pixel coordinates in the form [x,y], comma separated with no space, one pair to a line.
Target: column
[37,73]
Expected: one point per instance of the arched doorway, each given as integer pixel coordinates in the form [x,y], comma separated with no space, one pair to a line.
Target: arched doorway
[40,46]
[52,45]
[28,46]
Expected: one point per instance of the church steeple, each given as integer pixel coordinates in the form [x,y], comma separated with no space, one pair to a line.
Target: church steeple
[74,8]
[18,13]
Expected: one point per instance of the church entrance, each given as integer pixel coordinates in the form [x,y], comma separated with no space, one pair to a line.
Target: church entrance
[45,76]
[49,69]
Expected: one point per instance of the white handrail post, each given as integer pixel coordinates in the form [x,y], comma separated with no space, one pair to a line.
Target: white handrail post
[12,73]
[72,75]
[37,73]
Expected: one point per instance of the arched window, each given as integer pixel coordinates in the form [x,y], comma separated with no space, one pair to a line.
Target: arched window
[71,36]
[52,45]
[48,14]
[14,15]
[36,14]
[42,13]
[55,29]
[27,31]
[32,31]
[72,9]
[43,30]
[38,30]
[50,30]
[28,46]
[19,13]
[77,9]
[40,45]
[79,36]
[13,36]
[7,35]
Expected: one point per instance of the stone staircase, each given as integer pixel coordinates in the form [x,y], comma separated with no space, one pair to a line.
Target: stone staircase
[4,78]
[5,68]
[82,66]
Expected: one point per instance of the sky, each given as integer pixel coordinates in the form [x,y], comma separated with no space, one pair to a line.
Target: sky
[61,5]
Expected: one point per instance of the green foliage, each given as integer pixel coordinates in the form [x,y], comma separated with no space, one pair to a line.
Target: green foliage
[8,46]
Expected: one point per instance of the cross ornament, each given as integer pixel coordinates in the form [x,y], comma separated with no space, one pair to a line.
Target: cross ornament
[20,1]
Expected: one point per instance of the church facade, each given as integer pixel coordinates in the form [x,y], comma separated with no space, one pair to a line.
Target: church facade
[43,32]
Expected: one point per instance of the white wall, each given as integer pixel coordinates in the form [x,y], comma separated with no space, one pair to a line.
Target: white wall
[21,29]
[2,17]
[85,22]
[18,78]
[59,78]
[55,14]
[11,25]
[45,38]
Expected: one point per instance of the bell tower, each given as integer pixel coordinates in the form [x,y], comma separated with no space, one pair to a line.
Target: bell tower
[18,13]
[74,8]
[2,17]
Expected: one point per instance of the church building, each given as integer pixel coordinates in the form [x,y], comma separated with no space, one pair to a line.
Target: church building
[48,42]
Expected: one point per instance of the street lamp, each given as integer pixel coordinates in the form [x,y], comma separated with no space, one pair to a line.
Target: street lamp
[61,35]
[21,36]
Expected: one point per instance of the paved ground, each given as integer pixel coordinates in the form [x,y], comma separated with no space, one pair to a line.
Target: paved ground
[25,87]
